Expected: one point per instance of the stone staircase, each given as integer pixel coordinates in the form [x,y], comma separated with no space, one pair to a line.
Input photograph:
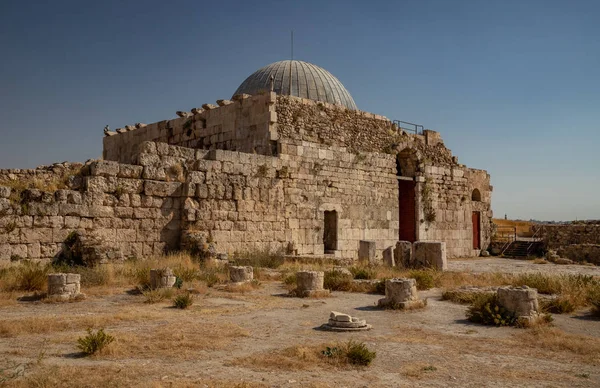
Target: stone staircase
[520,248]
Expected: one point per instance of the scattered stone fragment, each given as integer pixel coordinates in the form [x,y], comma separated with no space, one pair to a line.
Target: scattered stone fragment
[344,322]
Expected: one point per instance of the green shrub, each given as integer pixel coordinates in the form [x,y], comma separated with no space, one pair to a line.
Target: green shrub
[94,342]
[142,277]
[487,311]
[183,301]
[359,354]
[337,281]
[424,277]
[32,276]
[558,305]
[362,273]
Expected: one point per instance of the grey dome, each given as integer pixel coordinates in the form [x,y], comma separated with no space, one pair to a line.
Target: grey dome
[307,81]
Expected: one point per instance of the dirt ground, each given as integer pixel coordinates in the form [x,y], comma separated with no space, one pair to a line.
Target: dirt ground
[264,338]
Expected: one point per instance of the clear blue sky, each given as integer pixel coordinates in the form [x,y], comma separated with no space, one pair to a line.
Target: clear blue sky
[513,86]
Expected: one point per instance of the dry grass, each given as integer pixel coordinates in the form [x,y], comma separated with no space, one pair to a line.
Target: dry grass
[242,287]
[540,261]
[14,327]
[523,227]
[180,340]
[299,357]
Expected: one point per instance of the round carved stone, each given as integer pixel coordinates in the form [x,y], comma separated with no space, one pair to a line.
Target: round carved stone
[240,274]
[522,301]
[309,283]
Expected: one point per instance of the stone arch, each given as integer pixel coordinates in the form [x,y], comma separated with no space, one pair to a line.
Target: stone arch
[407,162]
[476,195]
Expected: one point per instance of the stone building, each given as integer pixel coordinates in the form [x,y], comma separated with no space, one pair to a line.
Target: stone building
[288,163]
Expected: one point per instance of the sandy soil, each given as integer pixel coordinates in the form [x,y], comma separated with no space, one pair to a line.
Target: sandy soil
[229,339]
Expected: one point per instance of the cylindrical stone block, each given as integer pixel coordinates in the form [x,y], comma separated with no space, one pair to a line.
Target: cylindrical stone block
[162,278]
[309,280]
[239,274]
[522,301]
[64,285]
[401,293]
[401,290]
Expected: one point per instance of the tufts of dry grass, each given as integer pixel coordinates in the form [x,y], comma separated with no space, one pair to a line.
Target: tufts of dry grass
[243,287]
[303,357]
[180,340]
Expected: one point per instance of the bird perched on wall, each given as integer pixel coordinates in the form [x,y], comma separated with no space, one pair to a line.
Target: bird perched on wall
[121,130]
[197,110]
[106,129]
[129,127]
[183,114]
[140,125]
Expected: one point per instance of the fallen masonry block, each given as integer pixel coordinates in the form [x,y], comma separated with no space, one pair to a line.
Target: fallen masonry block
[521,301]
[403,254]
[430,254]
[366,251]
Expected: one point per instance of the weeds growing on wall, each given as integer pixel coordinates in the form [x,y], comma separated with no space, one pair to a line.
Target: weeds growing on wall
[427,201]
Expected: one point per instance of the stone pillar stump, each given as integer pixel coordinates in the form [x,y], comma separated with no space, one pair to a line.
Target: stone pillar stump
[162,278]
[241,274]
[430,254]
[64,285]
[522,301]
[401,293]
[403,254]
[310,283]
[367,251]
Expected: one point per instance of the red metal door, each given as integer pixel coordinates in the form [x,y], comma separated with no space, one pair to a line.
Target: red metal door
[406,206]
[476,230]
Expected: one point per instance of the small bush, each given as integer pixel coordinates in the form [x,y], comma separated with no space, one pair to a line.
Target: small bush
[594,300]
[94,342]
[337,281]
[560,305]
[425,278]
[210,276]
[487,311]
[355,353]
[158,295]
[290,280]
[186,274]
[32,276]
[380,287]
[359,354]
[362,273]
[183,301]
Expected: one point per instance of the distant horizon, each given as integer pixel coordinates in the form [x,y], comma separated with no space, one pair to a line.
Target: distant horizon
[512,87]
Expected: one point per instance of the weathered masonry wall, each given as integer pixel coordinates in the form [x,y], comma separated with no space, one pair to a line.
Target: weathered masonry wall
[450,192]
[239,125]
[242,201]
[578,242]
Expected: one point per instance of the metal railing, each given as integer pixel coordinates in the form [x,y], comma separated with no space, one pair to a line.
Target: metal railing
[417,129]
[506,234]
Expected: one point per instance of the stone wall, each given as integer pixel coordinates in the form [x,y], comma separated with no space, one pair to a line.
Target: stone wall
[240,125]
[243,202]
[577,242]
